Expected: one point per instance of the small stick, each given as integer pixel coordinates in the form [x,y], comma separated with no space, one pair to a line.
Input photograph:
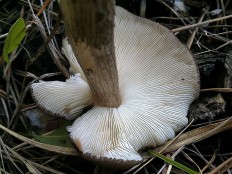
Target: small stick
[200,24]
[191,38]
[222,167]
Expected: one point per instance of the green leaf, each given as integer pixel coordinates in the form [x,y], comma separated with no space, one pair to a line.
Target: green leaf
[172,162]
[15,36]
[58,137]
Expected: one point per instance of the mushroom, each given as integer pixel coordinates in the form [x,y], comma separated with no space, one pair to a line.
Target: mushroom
[74,65]
[64,99]
[158,80]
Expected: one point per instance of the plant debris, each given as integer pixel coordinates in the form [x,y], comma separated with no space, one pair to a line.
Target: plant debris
[204,146]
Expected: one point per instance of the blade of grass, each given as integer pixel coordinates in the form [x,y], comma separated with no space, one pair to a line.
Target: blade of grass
[172,162]
[57,149]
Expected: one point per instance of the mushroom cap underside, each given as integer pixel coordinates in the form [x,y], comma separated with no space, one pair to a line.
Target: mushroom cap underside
[158,80]
[62,99]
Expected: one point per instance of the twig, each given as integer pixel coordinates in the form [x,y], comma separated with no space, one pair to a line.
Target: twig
[217,90]
[210,163]
[191,38]
[222,167]
[192,161]
[162,149]
[6,111]
[8,155]
[55,54]
[200,24]
[47,2]
[177,14]
[197,135]
[172,157]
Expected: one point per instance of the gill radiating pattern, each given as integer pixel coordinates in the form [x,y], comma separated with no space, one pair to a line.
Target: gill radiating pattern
[157,79]
[103,136]
[64,99]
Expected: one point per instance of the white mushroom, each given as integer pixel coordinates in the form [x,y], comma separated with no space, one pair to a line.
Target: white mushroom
[158,80]
[63,99]
[74,65]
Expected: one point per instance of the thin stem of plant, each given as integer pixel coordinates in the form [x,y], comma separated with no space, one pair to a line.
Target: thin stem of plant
[200,24]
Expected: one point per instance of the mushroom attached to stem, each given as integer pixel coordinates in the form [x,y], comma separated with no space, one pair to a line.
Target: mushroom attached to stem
[158,79]
[63,99]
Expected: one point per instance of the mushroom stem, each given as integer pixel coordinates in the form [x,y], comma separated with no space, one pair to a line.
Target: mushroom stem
[90,28]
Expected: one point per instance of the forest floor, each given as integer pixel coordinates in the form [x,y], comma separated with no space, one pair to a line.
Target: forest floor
[26,142]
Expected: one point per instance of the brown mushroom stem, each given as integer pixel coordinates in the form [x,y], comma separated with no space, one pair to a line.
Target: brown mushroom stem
[90,28]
